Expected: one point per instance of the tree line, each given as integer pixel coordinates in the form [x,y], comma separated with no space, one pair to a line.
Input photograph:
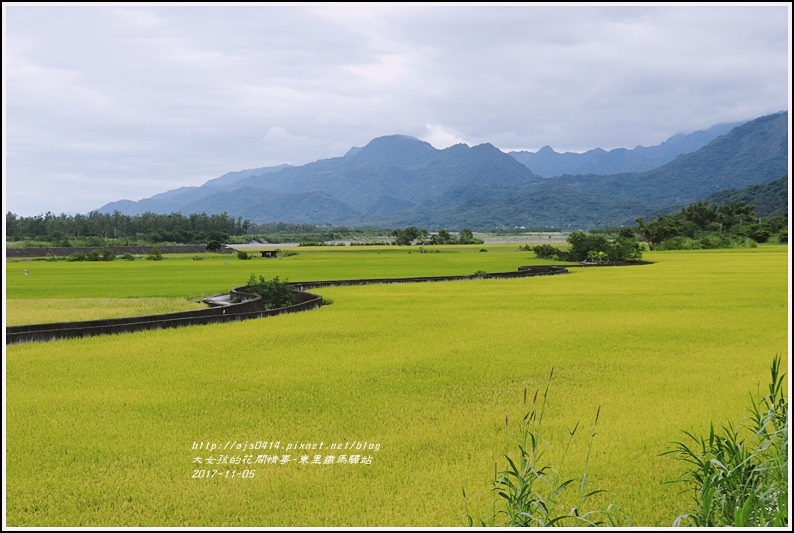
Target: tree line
[707,225]
[95,229]
[700,225]
[413,235]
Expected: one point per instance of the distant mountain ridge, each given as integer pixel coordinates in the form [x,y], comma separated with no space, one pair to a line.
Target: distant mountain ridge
[391,173]
[548,163]
[398,180]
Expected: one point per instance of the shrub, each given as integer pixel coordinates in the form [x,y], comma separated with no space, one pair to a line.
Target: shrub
[76,256]
[242,254]
[128,257]
[102,254]
[739,476]
[155,254]
[546,251]
[679,243]
[275,293]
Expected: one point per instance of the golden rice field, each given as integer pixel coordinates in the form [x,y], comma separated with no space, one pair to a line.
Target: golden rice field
[48,310]
[117,430]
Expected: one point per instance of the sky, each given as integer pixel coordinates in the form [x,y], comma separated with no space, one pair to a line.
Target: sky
[112,101]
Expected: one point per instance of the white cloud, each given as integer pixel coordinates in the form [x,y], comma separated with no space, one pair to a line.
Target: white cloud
[441,137]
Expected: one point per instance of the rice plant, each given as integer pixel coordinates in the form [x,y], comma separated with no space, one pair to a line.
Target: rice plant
[529,491]
[738,476]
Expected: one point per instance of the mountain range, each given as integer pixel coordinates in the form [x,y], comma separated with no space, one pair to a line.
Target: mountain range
[548,163]
[398,180]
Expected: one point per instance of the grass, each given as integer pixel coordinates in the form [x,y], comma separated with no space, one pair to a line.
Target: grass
[180,276]
[100,430]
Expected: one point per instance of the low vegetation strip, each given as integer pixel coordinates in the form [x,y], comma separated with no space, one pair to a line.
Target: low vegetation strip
[522,271]
[65,251]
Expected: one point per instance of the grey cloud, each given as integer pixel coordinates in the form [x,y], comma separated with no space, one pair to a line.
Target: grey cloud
[127,101]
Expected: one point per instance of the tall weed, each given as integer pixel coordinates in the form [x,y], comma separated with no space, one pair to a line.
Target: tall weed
[738,476]
[528,492]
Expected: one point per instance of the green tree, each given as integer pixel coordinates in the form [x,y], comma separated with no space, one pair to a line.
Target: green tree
[599,249]
[546,251]
[735,214]
[657,231]
[442,237]
[407,236]
[701,214]
[214,246]
[275,293]
[586,246]
[624,249]
[467,237]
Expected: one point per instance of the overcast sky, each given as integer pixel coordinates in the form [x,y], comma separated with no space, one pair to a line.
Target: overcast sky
[123,101]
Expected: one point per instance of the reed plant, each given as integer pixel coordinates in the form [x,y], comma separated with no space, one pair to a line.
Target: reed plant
[529,491]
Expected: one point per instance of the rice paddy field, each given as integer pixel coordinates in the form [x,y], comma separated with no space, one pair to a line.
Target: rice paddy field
[380,408]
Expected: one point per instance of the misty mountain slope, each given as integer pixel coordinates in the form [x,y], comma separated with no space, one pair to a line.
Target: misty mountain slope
[548,163]
[753,153]
[397,180]
[388,175]
[750,153]
[257,205]
[396,166]
[177,200]
[230,179]
[483,206]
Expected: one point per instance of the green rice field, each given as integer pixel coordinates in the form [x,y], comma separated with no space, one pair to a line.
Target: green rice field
[410,383]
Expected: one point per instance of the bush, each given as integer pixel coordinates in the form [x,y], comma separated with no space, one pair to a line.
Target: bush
[242,254]
[76,256]
[275,293]
[128,257]
[739,476]
[155,254]
[714,241]
[593,249]
[102,254]
[546,251]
